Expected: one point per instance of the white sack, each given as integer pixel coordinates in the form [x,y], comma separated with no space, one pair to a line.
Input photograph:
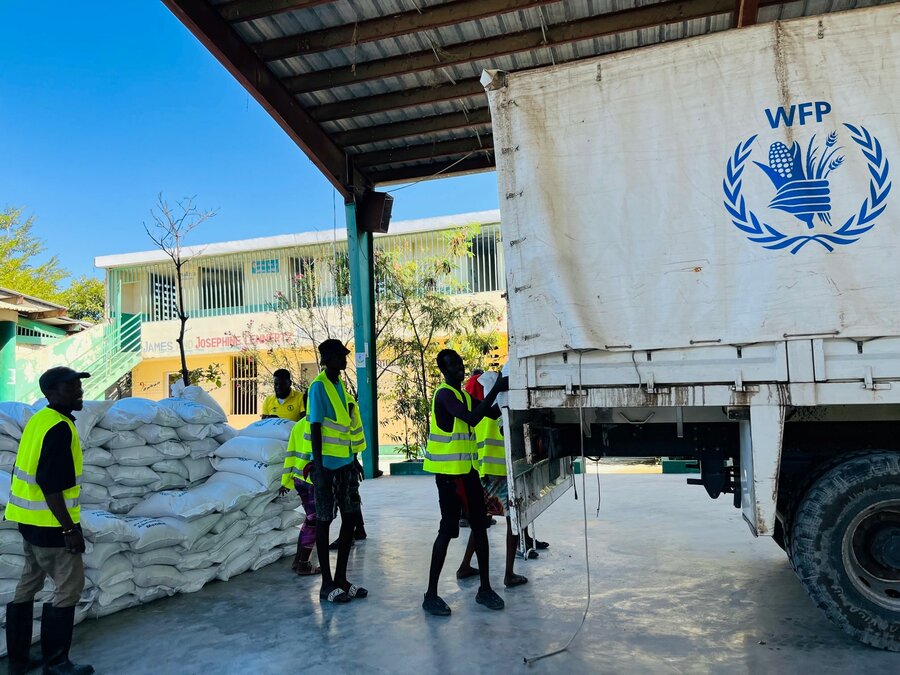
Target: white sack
[145,595]
[267,450]
[192,530]
[169,481]
[258,505]
[15,412]
[133,476]
[11,565]
[197,432]
[98,436]
[116,569]
[98,457]
[173,449]
[7,460]
[214,543]
[5,482]
[194,580]
[126,410]
[231,550]
[227,434]
[274,427]
[266,558]
[100,553]
[97,611]
[154,533]
[137,455]
[201,396]
[186,504]
[9,444]
[160,556]
[9,428]
[265,525]
[123,505]
[122,492]
[124,439]
[10,541]
[291,518]
[175,466]
[262,473]
[94,494]
[198,469]
[111,593]
[233,491]
[96,475]
[153,433]
[226,521]
[237,565]
[193,413]
[103,527]
[204,448]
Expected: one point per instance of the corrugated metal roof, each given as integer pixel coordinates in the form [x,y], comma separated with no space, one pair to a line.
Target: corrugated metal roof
[425,97]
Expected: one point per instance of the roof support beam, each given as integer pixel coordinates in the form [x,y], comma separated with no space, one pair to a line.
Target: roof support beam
[745,13]
[247,10]
[448,167]
[407,98]
[435,16]
[411,153]
[218,37]
[416,127]
[557,34]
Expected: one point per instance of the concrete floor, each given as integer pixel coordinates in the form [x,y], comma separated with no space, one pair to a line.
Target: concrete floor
[679,585]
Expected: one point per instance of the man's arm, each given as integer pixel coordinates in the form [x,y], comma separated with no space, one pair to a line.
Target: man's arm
[55,473]
[458,409]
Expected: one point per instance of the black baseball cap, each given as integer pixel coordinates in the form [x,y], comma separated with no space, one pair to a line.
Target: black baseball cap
[331,348]
[55,376]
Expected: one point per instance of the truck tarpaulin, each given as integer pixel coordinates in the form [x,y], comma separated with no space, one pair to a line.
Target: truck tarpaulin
[735,188]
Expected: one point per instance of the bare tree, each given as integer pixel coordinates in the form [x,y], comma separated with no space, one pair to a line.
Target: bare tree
[170,227]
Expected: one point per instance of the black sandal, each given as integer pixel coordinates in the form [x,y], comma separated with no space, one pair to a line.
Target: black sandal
[336,595]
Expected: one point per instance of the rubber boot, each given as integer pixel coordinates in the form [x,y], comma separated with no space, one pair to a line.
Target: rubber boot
[57,624]
[19,616]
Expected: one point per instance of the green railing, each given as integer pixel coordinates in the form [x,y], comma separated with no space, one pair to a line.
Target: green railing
[108,359]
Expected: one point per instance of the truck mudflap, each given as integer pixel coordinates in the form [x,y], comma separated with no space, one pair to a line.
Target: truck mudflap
[761,438]
[533,487]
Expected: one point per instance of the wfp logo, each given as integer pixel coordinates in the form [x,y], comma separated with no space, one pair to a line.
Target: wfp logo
[802,180]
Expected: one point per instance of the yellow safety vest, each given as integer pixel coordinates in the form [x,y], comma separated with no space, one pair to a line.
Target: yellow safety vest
[491,448]
[26,500]
[299,454]
[357,435]
[337,439]
[454,453]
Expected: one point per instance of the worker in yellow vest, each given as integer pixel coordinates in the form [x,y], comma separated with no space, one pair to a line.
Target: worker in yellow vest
[492,469]
[43,500]
[295,475]
[286,403]
[336,472]
[451,455]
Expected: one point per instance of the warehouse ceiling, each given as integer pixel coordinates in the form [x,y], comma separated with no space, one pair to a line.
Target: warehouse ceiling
[386,91]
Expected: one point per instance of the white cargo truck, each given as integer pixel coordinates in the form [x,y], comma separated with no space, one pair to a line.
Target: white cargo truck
[702,243]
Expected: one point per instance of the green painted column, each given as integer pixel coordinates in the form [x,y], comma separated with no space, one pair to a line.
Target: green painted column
[8,355]
[362,298]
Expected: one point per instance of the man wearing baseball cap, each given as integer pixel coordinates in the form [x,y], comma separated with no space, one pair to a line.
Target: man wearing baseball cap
[336,437]
[43,499]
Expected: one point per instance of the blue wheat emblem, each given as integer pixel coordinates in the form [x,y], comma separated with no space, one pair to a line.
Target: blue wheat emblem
[802,187]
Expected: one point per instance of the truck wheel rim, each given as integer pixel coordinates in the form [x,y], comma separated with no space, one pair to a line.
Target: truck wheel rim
[870,551]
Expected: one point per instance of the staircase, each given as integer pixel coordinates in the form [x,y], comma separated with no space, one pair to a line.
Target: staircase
[107,351]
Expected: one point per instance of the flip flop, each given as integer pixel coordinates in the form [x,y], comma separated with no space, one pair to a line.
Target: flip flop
[311,570]
[335,595]
[357,592]
[515,580]
[467,574]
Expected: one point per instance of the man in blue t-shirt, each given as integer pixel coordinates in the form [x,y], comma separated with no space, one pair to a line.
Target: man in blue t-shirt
[335,479]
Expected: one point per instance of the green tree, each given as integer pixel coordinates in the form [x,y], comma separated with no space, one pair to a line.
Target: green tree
[19,250]
[84,298]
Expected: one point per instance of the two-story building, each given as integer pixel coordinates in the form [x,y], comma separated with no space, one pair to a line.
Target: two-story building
[231,292]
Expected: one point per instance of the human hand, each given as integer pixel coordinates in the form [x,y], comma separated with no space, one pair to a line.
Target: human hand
[282,491]
[74,541]
[307,469]
[360,472]
[501,385]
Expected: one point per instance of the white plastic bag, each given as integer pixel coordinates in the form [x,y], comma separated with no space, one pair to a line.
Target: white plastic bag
[267,450]
[274,427]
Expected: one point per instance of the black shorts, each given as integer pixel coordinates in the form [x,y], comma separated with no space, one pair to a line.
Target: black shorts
[336,489]
[458,495]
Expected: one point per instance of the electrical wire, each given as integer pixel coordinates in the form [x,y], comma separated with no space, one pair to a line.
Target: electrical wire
[587,559]
[436,173]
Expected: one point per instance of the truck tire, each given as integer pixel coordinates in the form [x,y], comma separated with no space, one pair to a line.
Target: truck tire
[845,547]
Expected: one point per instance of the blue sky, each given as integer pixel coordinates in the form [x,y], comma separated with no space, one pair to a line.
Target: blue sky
[103,105]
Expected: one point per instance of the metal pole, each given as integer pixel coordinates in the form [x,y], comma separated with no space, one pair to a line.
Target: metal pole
[362,298]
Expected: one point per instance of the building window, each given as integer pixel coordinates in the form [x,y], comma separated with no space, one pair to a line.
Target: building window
[304,281]
[221,289]
[483,270]
[164,298]
[244,386]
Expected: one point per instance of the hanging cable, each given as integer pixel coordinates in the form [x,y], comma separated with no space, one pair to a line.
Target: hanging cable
[587,560]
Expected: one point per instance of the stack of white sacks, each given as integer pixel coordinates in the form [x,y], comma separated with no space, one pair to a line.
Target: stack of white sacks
[171,498]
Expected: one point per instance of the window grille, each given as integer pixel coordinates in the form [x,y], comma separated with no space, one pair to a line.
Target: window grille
[164,298]
[244,386]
